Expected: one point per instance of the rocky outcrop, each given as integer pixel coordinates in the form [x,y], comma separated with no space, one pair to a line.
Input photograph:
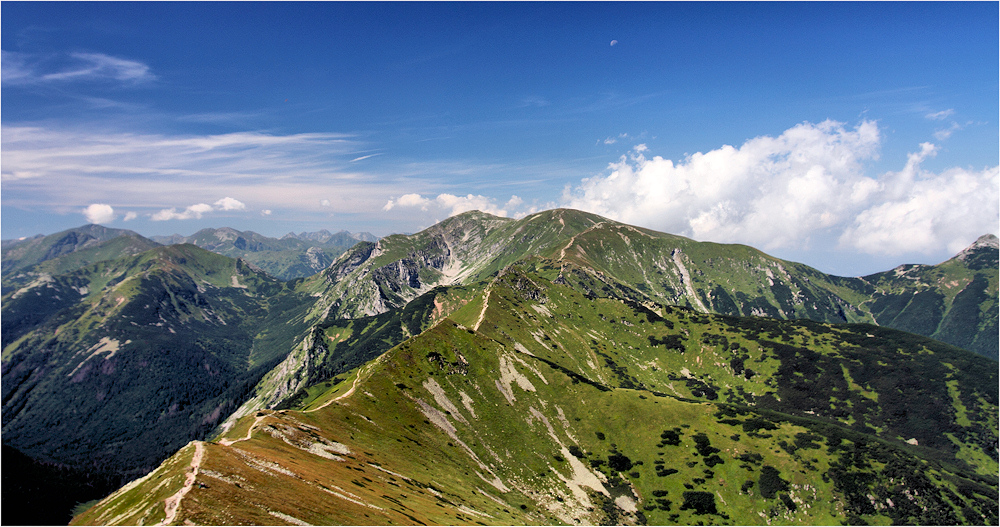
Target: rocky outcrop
[301,367]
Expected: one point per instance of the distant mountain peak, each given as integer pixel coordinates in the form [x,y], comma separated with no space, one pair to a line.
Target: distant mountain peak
[986,241]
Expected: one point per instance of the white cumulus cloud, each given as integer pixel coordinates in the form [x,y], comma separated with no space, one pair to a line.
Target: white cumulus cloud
[198,210]
[450,205]
[770,192]
[807,183]
[99,213]
[195,211]
[920,211]
[228,203]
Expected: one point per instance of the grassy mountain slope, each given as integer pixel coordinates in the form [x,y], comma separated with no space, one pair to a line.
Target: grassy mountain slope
[954,301]
[66,251]
[366,295]
[41,248]
[337,346]
[547,399]
[116,365]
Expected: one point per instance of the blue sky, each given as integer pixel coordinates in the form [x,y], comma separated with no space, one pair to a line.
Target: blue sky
[849,136]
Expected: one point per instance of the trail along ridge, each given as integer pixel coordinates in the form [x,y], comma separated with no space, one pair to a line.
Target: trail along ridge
[172,504]
[343,395]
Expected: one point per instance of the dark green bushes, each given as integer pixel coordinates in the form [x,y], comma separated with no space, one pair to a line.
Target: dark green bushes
[700,502]
[619,462]
[770,482]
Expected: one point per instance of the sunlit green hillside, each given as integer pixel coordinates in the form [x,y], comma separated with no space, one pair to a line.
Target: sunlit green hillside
[541,402]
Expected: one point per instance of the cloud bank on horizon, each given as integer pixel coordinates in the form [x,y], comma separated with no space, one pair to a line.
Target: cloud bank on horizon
[780,192]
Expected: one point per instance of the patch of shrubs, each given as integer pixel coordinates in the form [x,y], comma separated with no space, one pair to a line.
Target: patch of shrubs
[807,440]
[619,462]
[670,438]
[770,482]
[700,502]
[703,445]
[713,460]
[749,459]
[698,387]
[671,342]
[753,424]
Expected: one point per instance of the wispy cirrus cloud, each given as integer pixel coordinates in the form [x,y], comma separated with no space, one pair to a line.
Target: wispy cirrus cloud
[220,117]
[30,68]
[70,168]
[945,133]
[36,151]
[533,101]
[940,116]
[307,175]
[362,158]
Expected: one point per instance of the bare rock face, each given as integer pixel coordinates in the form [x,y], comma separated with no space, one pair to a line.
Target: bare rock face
[986,241]
[982,255]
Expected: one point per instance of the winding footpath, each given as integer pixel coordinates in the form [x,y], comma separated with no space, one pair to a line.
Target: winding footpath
[227,442]
[486,304]
[343,395]
[173,503]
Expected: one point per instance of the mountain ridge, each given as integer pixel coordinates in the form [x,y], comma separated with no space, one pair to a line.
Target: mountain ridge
[670,268]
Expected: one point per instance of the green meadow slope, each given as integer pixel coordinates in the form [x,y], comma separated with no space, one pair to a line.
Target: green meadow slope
[546,398]
[43,257]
